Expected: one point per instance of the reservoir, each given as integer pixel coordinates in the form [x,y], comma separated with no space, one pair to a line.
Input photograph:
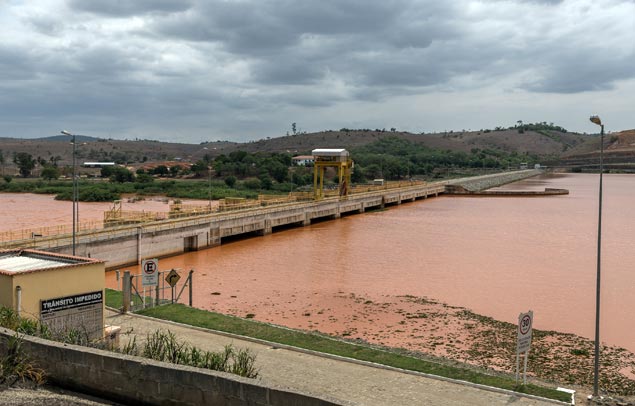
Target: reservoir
[497,256]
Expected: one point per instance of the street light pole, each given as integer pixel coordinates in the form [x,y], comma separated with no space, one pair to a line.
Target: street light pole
[596,364]
[75,194]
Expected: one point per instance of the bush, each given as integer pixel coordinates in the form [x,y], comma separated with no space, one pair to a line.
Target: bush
[164,346]
[253,184]
[230,181]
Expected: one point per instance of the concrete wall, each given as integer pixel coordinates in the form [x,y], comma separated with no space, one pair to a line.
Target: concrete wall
[135,380]
[7,296]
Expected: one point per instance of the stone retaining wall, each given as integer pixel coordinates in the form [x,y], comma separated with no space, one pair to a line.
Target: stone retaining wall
[140,381]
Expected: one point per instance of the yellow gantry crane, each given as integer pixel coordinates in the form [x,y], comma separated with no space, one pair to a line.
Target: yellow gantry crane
[336,158]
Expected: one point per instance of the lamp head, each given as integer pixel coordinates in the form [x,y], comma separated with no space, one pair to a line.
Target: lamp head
[596,120]
[66,132]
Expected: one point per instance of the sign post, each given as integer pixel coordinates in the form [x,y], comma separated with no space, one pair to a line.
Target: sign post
[525,324]
[172,278]
[150,268]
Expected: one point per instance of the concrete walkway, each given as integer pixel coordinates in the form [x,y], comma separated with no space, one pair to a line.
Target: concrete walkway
[346,382]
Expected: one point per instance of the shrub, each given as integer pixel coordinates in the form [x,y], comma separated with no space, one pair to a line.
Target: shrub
[164,346]
[253,184]
[230,181]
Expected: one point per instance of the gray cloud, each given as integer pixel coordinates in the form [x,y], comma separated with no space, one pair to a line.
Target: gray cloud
[129,8]
[150,64]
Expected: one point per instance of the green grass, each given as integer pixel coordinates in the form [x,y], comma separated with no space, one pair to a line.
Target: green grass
[114,299]
[201,318]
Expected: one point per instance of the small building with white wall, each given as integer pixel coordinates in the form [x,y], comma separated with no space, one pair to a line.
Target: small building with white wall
[303,160]
[61,291]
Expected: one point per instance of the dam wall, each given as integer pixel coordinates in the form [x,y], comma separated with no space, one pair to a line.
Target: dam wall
[130,244]
[479,183]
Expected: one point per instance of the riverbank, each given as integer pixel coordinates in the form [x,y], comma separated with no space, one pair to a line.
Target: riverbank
[438,332]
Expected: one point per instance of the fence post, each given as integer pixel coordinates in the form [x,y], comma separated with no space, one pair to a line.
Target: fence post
[126,287]
[190,279]
[156,291]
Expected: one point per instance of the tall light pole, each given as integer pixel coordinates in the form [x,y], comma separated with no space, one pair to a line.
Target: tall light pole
[75,194]
[596,365]
[209,176]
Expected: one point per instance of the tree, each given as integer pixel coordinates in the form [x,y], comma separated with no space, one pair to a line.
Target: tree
[230,181]
[55,159]
[265,181]
[174,170]
[25,163]
[161,170]
[121,175]
[144,178]
[50,172]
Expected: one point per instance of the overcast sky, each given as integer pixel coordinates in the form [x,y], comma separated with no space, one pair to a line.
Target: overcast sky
[204,70]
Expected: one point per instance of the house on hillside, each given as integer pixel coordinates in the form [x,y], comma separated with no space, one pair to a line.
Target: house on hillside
[302,160]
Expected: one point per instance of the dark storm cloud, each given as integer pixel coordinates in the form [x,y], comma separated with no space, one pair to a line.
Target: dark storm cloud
[218,61]
[288,42]
[126,8]
[251,27]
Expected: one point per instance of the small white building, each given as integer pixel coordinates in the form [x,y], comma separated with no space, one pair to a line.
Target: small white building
[302,160]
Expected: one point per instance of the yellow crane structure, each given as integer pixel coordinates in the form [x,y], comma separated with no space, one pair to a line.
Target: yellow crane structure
[336,158]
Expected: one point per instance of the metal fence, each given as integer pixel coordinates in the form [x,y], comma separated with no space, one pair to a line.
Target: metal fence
[137,297]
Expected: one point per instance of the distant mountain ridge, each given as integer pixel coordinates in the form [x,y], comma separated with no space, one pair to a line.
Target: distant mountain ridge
[553,144]
[66,138]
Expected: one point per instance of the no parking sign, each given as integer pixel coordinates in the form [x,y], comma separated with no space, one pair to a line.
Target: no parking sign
[150,272]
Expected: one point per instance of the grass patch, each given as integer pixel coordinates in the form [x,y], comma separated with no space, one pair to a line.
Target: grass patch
[201,318]
[114,299]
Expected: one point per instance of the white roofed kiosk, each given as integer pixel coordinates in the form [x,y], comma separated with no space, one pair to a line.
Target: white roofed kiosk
[337,158]
[63,292]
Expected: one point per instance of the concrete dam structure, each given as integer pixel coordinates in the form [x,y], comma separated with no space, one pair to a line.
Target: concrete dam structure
[127,245]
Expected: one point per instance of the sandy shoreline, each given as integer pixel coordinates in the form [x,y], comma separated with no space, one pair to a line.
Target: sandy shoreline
[424,326]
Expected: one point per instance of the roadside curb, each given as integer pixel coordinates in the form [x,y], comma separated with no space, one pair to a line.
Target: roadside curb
[349,360]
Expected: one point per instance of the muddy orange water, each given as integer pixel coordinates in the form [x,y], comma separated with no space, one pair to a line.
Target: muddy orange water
[495,256]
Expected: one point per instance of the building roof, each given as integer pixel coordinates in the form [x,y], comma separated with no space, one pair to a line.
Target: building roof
[330,152]
[301,157]
[22,261]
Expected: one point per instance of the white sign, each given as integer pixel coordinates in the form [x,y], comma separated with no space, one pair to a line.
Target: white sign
[525,323]
[150,272]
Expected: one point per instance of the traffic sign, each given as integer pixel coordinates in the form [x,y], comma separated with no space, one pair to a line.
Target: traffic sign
[525,323]
[150,272]
[172,278]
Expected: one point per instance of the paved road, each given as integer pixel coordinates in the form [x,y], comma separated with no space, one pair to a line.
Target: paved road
[349,383]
